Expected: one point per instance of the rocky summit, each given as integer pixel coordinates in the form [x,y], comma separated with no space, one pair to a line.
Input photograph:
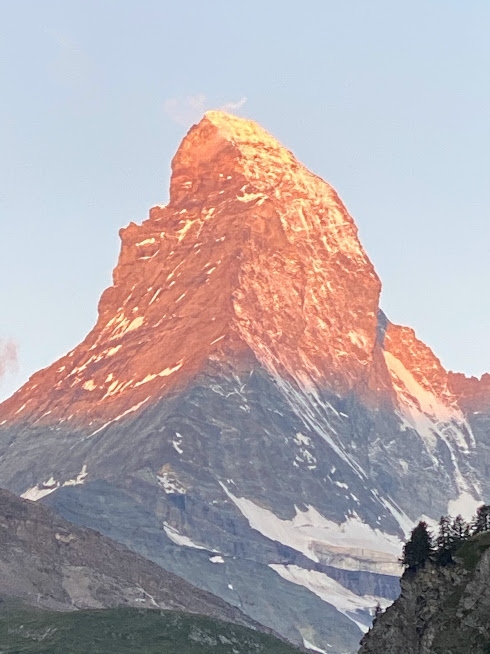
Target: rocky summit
[243,413]
[241,264]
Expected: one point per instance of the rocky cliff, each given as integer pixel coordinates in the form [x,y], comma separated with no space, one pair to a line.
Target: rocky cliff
[441,610]
[243,413]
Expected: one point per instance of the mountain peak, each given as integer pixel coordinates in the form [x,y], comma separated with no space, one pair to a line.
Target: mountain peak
[231,152]
[250,139]
[253,253]
[238,129]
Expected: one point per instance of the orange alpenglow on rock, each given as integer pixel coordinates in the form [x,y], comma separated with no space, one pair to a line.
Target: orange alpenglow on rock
[252,253]
[254,259]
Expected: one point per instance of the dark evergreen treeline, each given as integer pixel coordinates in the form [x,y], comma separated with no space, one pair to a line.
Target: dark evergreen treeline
[423,546]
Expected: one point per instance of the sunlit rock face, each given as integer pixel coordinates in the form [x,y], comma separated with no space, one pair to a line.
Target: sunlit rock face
[253,252]
[242,412]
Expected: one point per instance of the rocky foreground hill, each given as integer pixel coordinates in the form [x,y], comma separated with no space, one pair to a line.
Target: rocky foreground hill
[441,610]
[49,563]
[66,589]
[243,413]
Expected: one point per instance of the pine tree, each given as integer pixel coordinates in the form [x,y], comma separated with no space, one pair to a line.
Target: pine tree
[459,529]
[482,519]
[418,548]
[444,536]
[444,541]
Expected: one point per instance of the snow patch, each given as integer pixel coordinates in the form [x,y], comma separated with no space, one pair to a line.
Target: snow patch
[154,296]
[355,607]
[177,443]
[41,490]
[301,439]
[421,408]
[249,197]
[464,505]
[304,456]
[124,325]
[403,465]
[135,324]
[45,488]
[79,479]
[183,231]
[180,539]
[313,648]
[351,545]
[163,373]
[217,559]
[358,339]
[435,421]
[177,447]
[171,484]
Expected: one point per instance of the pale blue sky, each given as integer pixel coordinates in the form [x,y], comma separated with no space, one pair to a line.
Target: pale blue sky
[387,100]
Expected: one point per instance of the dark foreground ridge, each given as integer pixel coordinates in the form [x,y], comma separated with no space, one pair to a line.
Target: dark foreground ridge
[442,609]
[127,630]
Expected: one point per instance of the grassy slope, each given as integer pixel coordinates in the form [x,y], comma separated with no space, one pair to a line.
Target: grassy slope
[124,630]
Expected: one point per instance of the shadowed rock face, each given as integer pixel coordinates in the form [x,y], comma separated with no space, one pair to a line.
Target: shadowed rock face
[242,392]
[51,563]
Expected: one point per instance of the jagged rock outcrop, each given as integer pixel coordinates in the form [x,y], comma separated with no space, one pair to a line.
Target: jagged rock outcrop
[441,610]
[243,393]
